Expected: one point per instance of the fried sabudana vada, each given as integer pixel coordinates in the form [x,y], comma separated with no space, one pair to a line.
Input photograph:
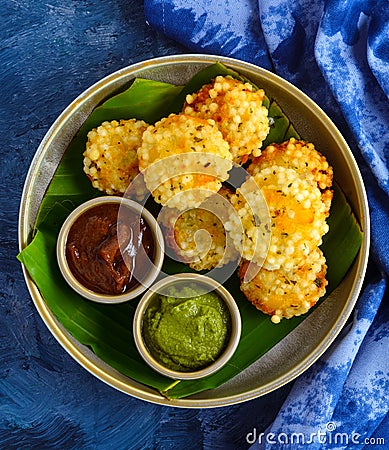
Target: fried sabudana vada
[110,157]
[197,236]
[237,110]
[285,293]
[302,157]
[184,160]
[296,217]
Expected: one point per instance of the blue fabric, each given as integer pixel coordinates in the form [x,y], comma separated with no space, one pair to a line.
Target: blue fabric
[338,53]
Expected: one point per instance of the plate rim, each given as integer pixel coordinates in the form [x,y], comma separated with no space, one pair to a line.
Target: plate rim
[66,340]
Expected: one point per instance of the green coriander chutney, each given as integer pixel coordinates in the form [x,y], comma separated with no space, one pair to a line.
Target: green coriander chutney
[186,329]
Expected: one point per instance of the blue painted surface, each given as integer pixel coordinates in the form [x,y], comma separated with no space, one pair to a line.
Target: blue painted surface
[50,51]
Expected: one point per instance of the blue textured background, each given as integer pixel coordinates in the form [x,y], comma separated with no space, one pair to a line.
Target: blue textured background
[50,51]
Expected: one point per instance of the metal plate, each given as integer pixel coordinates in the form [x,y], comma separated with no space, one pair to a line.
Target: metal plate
[303,346]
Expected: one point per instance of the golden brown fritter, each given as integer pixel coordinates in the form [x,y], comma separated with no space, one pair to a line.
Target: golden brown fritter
[285,293]
[197,236]
[110,157]
[184,160]
[238,112]
[296,218]
[302,157]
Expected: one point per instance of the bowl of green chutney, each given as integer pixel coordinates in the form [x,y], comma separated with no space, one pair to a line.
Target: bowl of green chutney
[187,326]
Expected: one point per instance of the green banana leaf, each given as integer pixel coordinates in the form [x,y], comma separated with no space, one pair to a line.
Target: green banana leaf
[107,329]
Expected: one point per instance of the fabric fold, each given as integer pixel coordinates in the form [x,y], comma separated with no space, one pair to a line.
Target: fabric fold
[222,29]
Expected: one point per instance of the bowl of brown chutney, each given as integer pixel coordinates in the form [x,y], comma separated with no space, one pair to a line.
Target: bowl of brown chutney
[110,249]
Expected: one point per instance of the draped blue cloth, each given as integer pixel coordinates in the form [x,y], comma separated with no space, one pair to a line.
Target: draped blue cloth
[337,52]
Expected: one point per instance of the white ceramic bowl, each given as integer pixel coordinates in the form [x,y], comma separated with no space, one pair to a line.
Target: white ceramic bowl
[204,284]
[154,266]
